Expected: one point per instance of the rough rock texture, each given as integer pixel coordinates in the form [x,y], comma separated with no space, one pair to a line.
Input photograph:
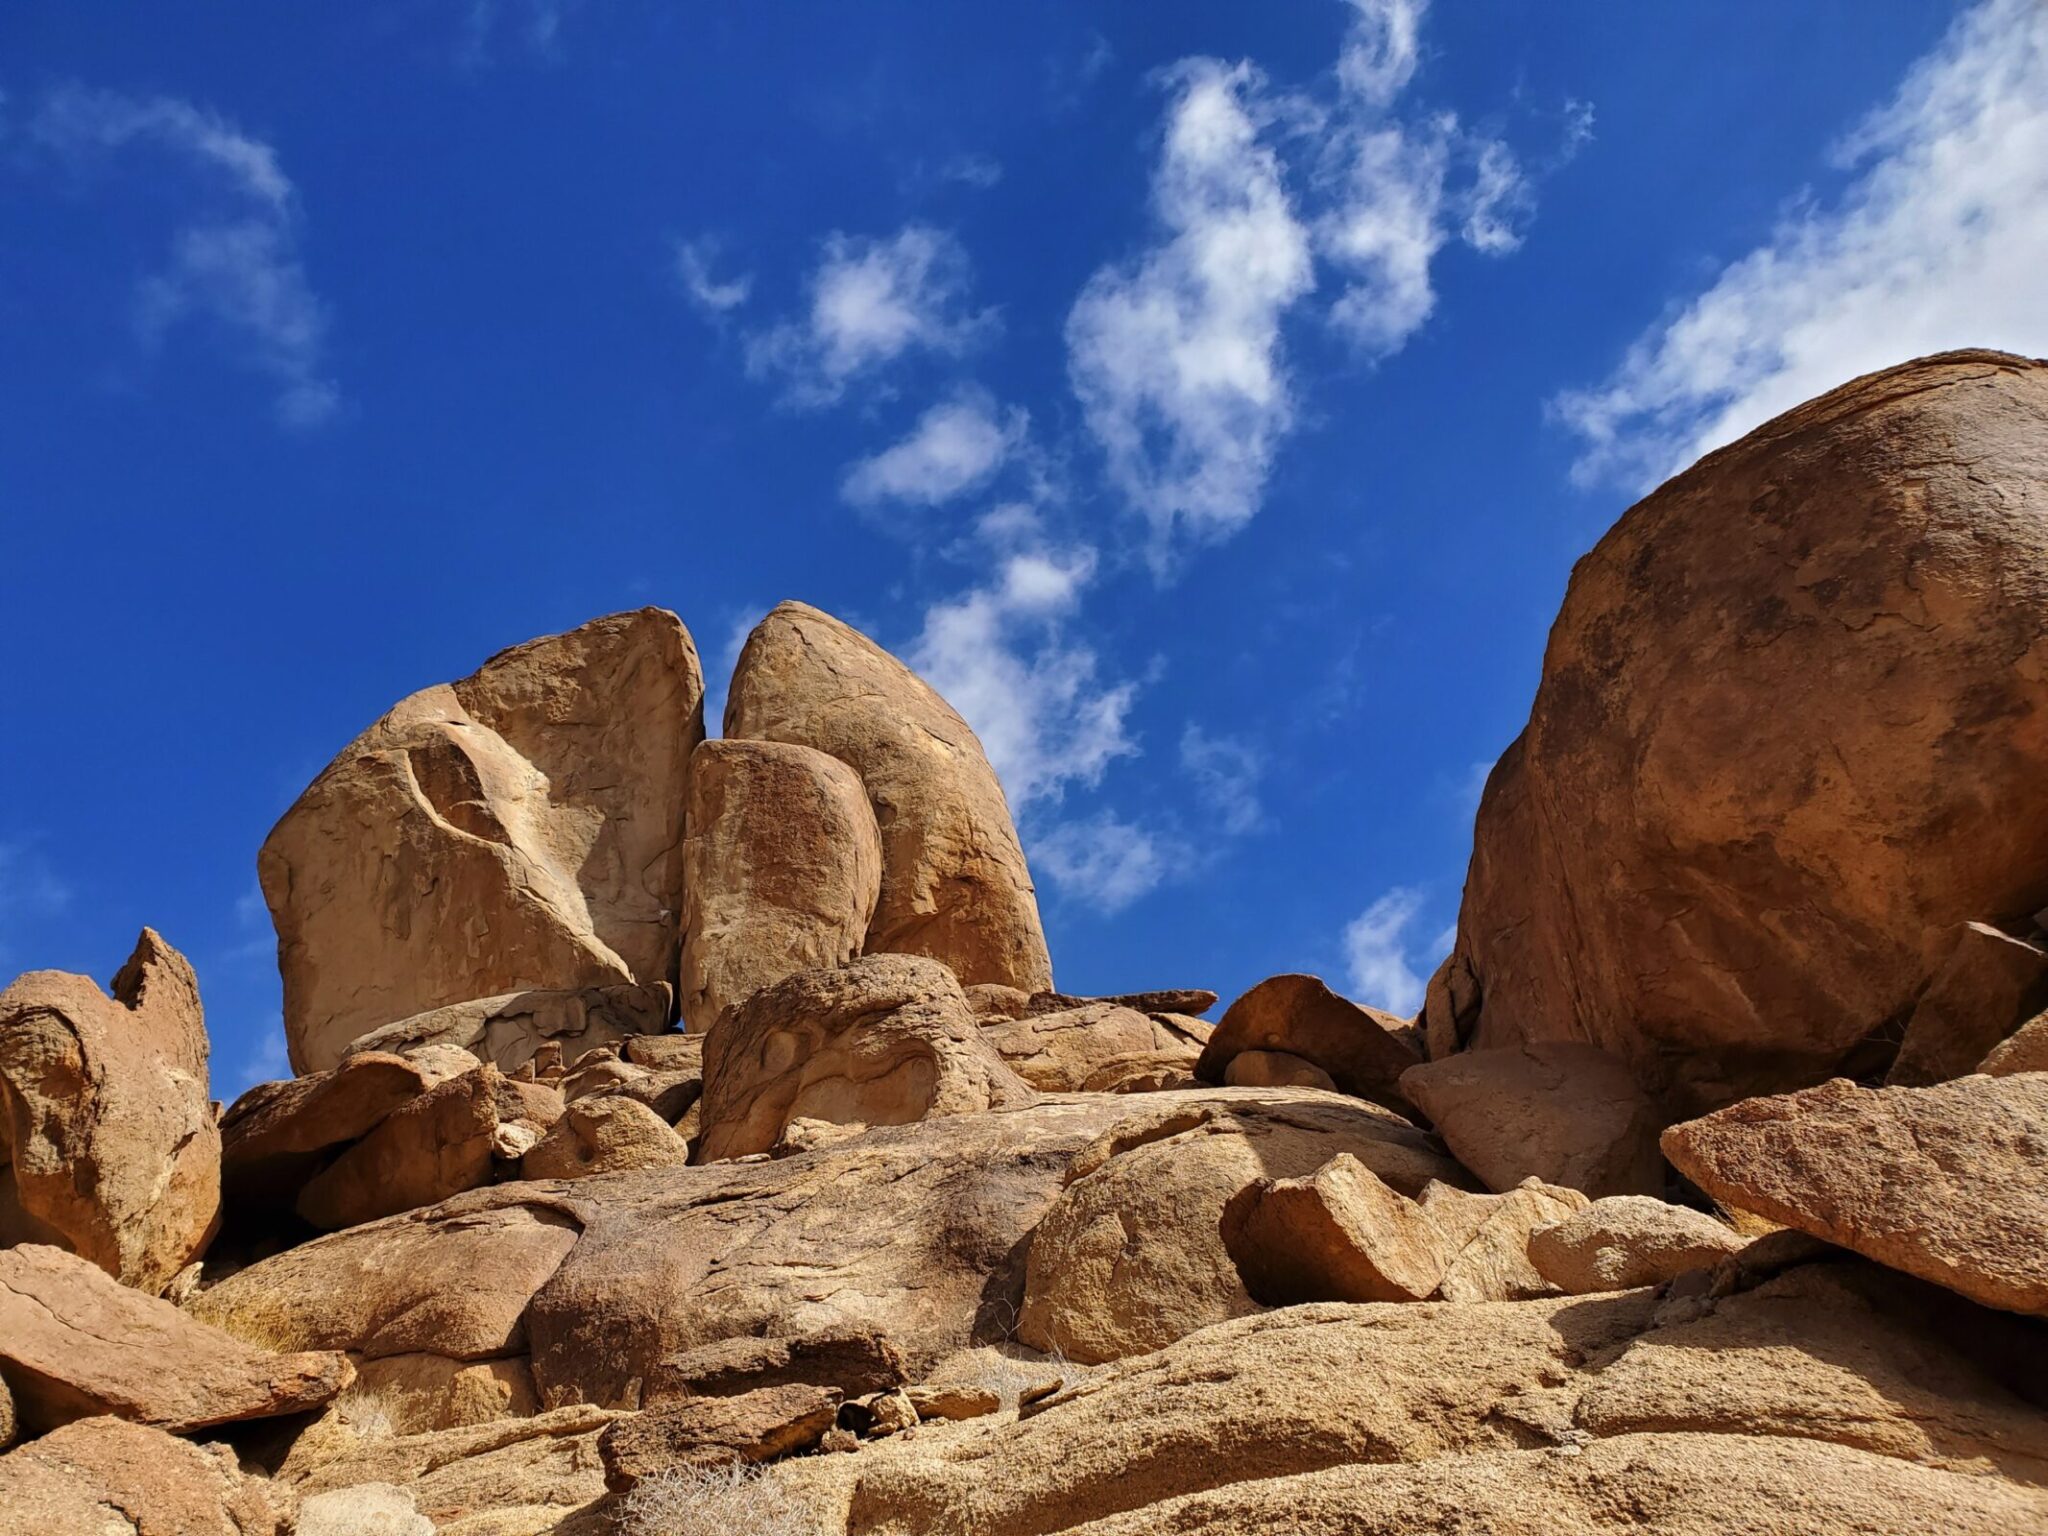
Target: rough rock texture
[1340,1234]
[1989,986]
[103,1477]
[447,1140]
[606,1134]
[75,1343]
[108,1145]
[519,829]
[1629,1240]
[954,883]
[855,1362]
[418,1393]
[2024,1050]
[510,1029]
[1563,1113]
[1132,1256]
[1486,1238]
[1070,1050]
[782,866]
[886,1040]
[1192,1001]
[1949,1183]
[712,1431]
[365,1509]
[10,1417]
[1364,1051]
[1275,1069]
[1788,735]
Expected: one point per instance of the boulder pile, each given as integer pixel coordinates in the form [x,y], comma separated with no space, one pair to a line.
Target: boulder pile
[687,1134]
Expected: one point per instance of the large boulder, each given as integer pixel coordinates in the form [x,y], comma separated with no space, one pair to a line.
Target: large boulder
[1629,1240]
[887,1040]
[108,1146]
[511,1029]
[1790,732]
[1990,984]
[1338,1234]
[104,1477]
[782,866]
[954,883]
[1363,1050]
[1092,1047]
[519,829]
[605,1133]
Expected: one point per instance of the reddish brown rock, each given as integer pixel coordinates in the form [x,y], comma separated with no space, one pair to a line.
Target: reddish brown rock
[2024,1050]
[712,1431]
[1363,1050]
[1275,1069]
[103,1477]
[1989,986]
[1486,1238]
[607,1134]
[514,1028]
[855,1362]
[1340,1234]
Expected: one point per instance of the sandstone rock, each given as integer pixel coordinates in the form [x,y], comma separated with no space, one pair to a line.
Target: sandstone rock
[667,1053]
[1989,986]
[511,1029]
[1486,1238]
[1340,1234]
[954,883]
[1364,1051]
[1748,810]
[883,1414]
[1069,1050]
[671,1095]
[711,1431]
[108,1146]
[447,1140]
[949,1401]
[1949,1183]
[1450,1007]
[1566,1114]
[104,1477]
[75,1344]
[1275,1069]
[1145,1072]
[2024,1050]
[1192,1001]
[420,1393]
[1626,1241]
[607,1134]
[520,829]
[993,1000]
[855,1362]
[1132,1256]
[782,866]
[886,1040]
[10,1421]
[365,1509]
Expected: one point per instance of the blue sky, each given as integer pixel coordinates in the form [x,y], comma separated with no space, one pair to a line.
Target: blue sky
[1210,398]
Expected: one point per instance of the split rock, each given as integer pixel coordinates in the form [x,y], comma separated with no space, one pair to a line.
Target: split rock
[1363,1050]
[1990,984]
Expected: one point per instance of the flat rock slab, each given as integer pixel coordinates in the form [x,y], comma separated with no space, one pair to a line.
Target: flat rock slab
[103,1477]
[1949,1182]
[76,1344]
[712,1431]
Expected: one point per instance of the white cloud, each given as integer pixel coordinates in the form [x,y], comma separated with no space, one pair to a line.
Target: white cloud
[236,267]
[1385,230]
[872,301]
[978,171]
[1376,953]
[1380,53]
[1225,771]
[1103,860]
[1938,242]
[956,447]
[264,1062]
[1176,358]
[1500,191]
[694,260]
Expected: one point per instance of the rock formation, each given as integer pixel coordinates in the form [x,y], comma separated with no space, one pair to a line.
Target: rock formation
[1362,1050]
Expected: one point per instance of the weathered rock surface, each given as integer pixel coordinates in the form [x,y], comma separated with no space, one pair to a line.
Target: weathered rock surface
[1563,1113]
[108,1146]
[782,866]
[606,1134]
[1750,806]
[1486,1238]
[104,1477]
[366,1509]
[2024,1050]
[75,1344]
[1275,1069]
[954,883]
[1340,1234]
[418,1393]
[1192,1001]
[712,1431]
[854,1362]
[1090,1047]
[1624,1241]
[1364,1051]
[1989,986]
[520,829]
[886,1040]
[508,1030]
[1949,1182]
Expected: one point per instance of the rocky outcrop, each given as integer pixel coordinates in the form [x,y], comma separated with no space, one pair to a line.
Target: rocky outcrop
[1566,1114]
[1949,1183]
[108,1146]
[608,1133]
[510,1030]
[1625,1241]
[1990,984]
[854,1362]
[1363,1050]
[702,1432]
[1486,1238]
[75,1344]
[1339,1234]
[2024,1050]
[1095,1047]
[103,1477]
[520,829]
[782,866]
[954,883]
[886,1040]
[1748,811]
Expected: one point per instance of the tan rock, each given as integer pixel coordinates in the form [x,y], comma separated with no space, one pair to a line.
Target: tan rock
[886,1040]
[1364,1051]
[1949,1183]
[607,1134]
[365,1509]
[75,1343]
[855,1362]
[1989,986]
[1339,1234]
[667,1053]
[104,1477]
[954,883]
[953,1402]
[1747,813]
[1275,1069]
[1486,1238]
[712,1431]
[272,1137]
[782,866]
[108,1146]
[2024,1050]
[520,829]
[10,1419]
[419,1393]
[883,1414]
[1629,1240]
[513,1028]
[447,1140]
[599,1072]
[1566,1114]
[1074,1049]
[992,1000]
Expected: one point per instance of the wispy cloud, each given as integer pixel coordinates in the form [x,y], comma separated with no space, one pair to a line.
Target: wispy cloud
[265,1061]
[694,261]
[1103,860]
[1937,242]
[532,26]
[1377,945]
[956,447]
[235,268]
[1225,772]
[872,301]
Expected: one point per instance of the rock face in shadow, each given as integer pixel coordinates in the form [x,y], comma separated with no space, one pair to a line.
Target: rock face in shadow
[1789,734]
[108,1146]
[1363,1050]
[509,1030]
[954,883]
[520,829]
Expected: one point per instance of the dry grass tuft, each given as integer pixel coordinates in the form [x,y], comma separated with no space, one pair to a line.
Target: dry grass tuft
[730,1500]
